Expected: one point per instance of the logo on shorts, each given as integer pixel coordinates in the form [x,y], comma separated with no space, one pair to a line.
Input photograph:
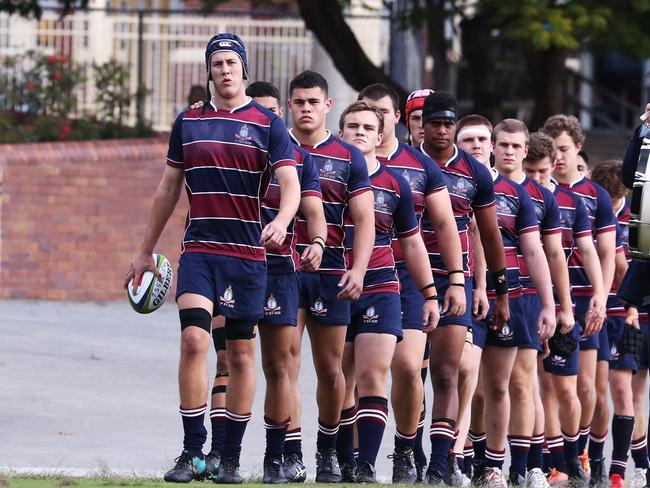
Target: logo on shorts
[614,352]
[318,308]
[371,315]
[226,299]
[558,361]
[272,307]
[505,334]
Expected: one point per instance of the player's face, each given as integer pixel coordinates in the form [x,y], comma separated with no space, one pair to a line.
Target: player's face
[440,134]
[566,154]
[309,107]
[361,129]
[227,74]
[475,139]
[509,151]
[540,171]
[391,116]
[582,166]
[271,103]
[415,127]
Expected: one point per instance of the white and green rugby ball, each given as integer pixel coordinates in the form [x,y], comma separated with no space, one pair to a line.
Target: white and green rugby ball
[151,293]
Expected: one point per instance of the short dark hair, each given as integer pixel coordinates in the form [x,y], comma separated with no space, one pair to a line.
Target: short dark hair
[309,79]
[583,154]
[380,90]
[608,174]
[511,126]
[362,106]
[540,146]
[263,89]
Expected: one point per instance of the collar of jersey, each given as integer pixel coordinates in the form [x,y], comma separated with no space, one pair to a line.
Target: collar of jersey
[376,170]
[620,209]
[248,100]
[449,161]
[319,143]
[392,154]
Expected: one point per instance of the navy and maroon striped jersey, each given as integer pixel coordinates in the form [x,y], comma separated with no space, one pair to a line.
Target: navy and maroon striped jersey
[548,219]
[394,219]
[423,176]
[226,156]
[574,221]
[601,217]
[286,258]
[470,186]
[615,306]
[343,175]
[516,216]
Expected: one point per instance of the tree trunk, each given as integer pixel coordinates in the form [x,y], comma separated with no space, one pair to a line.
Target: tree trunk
[546,70]
[325,19]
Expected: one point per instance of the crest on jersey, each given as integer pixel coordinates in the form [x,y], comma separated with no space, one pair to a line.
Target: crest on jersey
[227,299]
[318,308]
[460,187]
[380,202]
[370,316]
[272,307]
[328,170]
[243,136]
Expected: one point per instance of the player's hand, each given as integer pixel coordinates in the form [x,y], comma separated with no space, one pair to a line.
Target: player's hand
[196,105]
[565,320]
[430,315]
[500,313]
[546,349]
[546,323]
[141,263]
[311,258]
[594,317]
[351,285]
[273,234]
[455,302]
[632,318]
[480,304]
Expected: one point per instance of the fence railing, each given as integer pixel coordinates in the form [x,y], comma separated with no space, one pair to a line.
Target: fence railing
[164,51]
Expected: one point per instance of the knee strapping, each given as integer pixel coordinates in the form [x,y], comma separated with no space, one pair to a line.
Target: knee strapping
[197,317]
[219,339]
[239,329]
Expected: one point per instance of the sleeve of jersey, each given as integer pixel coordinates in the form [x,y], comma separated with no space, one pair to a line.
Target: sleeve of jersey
[581,225]
[605,220]
[359,181]
[484,187]
[405,222]
[551,221]
[619,240]
[435,179]
[309,180]
[526,218]
[280,146]
[175,149]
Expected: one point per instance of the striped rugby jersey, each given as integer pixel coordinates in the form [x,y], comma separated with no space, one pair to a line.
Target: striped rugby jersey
[548,219]
[470,186]
[515,216]
[227,156]
[423,176]
[601,217]
[574,220]
[286,258]
[343,175]
[394,218]
[615,306]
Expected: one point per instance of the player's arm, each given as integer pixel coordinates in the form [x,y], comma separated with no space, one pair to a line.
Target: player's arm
[164,203]
[311,208]
[441,217]
[480,304]
[275,231]
[606,254]
[417,263]
[495,258]
[531,248]
[596,311]
[362,213]
[632,314]
[560,277]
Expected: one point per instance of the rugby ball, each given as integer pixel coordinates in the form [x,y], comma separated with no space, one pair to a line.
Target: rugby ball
[151,293]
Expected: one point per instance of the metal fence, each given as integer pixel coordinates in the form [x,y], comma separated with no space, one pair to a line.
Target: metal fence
[164,51]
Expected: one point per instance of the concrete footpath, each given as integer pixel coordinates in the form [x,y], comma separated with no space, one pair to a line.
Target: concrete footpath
[91,388]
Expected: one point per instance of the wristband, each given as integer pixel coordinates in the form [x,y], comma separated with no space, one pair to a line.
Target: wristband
[320,241]
[457,284]
[432,297]
[455,271]
[430,285]
[500,282]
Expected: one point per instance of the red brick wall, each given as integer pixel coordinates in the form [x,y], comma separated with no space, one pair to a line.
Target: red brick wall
[73,214]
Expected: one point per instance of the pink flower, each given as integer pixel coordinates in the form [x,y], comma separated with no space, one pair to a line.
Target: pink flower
[57,75]
[30,85]
[51,59]
[65,132]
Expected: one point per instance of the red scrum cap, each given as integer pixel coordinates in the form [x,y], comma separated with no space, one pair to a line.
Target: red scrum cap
[415,101]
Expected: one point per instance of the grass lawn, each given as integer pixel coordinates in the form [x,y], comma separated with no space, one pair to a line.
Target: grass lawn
[63,482]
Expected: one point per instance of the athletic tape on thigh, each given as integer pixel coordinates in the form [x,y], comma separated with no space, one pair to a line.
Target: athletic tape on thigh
[197,317]
[237,329]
